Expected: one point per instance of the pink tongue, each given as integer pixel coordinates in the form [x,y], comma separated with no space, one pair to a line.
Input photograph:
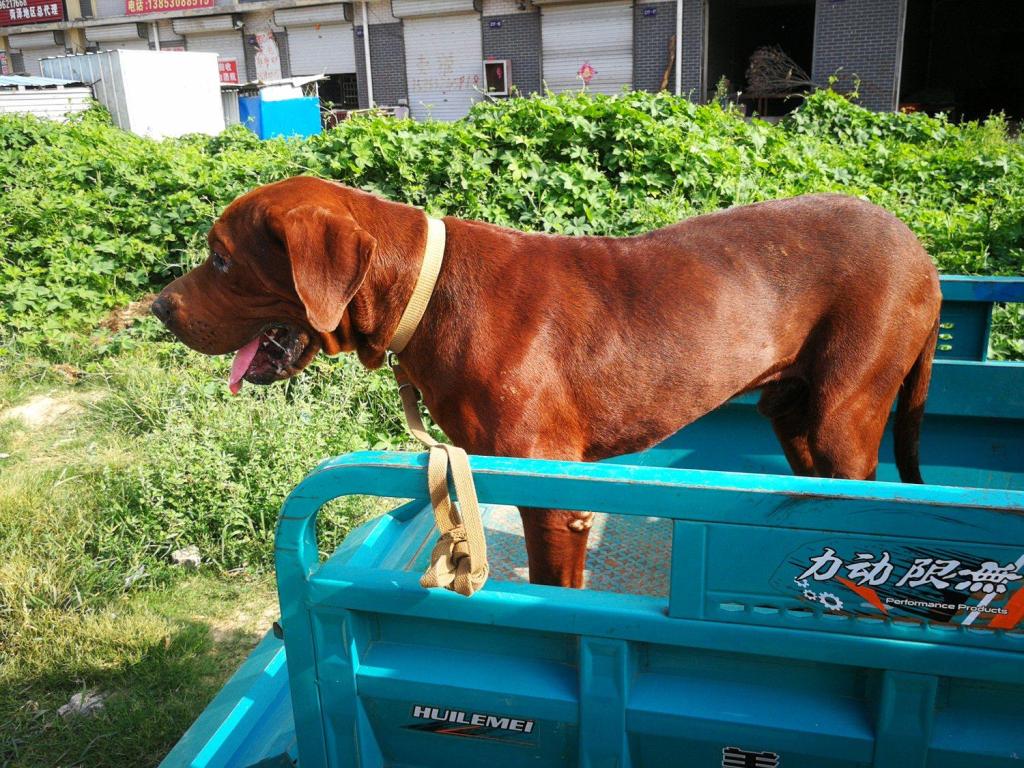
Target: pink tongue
[243,358]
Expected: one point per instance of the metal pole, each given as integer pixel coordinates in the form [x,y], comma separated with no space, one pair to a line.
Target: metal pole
[366,55]
[154,36]
[679,47]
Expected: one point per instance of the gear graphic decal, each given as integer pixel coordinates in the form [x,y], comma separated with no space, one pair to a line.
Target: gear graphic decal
[830,601]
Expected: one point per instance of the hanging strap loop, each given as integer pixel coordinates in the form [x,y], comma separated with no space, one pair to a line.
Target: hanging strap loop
[459,559]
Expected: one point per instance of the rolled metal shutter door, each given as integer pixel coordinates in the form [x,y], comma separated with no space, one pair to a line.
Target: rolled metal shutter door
[119,36]
[599,34]
[319,40]
[444,65]
[35,46]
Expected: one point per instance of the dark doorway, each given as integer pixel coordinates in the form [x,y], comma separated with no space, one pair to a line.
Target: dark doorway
[737,28]
[339,91]
[965,59]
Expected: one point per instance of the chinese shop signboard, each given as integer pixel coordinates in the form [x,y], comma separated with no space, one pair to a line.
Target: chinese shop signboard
[17,12]
[162,6]
[228,69]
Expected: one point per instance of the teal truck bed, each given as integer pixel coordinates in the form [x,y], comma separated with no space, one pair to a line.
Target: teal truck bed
[735,615]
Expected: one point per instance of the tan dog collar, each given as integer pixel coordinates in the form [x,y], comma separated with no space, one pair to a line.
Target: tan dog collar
[433,255]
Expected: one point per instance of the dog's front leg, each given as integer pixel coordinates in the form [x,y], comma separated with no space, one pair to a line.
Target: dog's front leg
[556,545]
[556,539]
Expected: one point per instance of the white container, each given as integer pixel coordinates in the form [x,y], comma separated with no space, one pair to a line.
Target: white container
[150,93]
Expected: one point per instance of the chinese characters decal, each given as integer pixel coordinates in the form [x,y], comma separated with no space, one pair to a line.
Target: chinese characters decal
[910,583]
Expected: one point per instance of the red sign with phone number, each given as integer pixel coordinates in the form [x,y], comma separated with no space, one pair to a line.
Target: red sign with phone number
[15,12]
[160,6]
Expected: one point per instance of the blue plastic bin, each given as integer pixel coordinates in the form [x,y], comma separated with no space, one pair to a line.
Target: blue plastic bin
[270,119]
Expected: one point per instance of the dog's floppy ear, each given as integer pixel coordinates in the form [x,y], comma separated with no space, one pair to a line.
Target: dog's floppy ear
[330,256]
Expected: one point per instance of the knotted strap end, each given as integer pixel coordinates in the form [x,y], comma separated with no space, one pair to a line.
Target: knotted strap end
[458,561]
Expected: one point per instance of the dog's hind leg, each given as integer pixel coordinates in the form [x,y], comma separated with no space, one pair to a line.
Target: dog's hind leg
[785,403]
[846,445]
[847,428]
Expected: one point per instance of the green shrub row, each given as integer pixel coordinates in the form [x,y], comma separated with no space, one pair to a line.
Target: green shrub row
[91,216]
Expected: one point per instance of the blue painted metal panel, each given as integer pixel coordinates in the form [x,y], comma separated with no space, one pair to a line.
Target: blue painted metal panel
[250,114]
[271,119]
[977,288]
[967,313]
[767,518]
[964,330]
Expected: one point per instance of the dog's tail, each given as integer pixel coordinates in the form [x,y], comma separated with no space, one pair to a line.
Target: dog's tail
[910,411]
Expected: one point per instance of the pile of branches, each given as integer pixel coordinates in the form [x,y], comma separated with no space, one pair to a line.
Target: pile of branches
[773,73]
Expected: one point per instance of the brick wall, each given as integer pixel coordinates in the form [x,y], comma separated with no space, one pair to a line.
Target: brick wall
[515,37]
[263,21]
[693,49]
[865,39]
[387,60]
[654,24]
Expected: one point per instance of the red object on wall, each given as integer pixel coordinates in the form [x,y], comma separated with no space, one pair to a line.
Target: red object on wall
[17,12]
[228,69]
[159,6]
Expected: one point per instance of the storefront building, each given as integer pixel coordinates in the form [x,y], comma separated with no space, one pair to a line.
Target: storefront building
[438,57]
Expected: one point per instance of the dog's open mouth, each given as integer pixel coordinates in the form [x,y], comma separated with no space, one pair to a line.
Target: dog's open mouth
[278,352]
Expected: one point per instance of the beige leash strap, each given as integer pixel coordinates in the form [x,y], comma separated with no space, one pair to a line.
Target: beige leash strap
[459,559]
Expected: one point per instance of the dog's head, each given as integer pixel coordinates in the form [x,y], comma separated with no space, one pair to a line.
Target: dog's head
[284,262]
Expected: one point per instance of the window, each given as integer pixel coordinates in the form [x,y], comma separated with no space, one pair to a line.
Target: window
[497,74]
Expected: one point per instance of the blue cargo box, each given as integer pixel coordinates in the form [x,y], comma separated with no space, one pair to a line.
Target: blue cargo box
[271,119]
[735,616]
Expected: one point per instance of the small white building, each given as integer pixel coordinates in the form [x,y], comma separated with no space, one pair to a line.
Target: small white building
[43,96]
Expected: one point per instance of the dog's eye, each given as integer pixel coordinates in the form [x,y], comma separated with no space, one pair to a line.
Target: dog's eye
[219,262]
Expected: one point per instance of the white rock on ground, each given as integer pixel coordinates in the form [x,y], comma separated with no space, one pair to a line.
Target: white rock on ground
[134,576]
[188,557]
[87,703]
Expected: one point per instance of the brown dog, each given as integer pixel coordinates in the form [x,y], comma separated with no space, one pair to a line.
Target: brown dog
[581,348]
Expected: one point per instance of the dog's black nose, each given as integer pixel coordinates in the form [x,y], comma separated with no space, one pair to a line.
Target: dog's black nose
[162,309]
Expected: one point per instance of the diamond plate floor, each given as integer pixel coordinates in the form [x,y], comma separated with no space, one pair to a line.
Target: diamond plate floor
[626,554]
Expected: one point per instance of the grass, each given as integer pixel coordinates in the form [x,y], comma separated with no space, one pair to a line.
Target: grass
[158,656]
[128,451]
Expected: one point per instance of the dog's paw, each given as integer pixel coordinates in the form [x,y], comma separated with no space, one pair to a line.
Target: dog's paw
[580,521]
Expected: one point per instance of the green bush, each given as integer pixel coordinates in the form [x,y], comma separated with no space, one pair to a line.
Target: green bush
[91,216]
